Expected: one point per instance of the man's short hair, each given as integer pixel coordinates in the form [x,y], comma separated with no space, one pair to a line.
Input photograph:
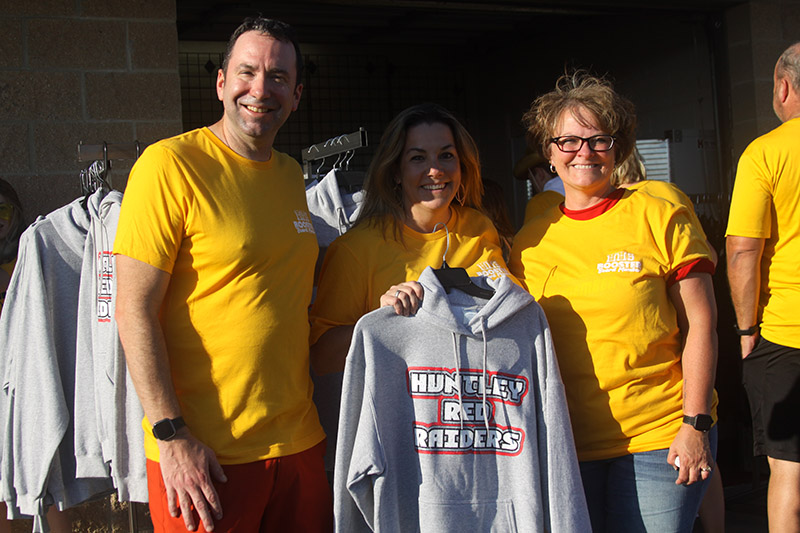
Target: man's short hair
[789,65]
[274,28]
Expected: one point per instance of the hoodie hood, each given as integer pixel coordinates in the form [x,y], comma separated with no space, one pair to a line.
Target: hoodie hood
[71,217]
[467,315]
[332,211]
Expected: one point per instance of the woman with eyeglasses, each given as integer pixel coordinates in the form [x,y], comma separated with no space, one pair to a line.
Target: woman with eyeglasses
[10,229]
[625,281]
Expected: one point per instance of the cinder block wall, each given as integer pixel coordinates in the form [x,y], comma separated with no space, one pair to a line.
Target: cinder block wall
[757,33]
[81,70]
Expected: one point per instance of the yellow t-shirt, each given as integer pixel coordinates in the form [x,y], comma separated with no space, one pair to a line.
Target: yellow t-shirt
[670,192]
[237,238]
[541,202]
[361,265]
[766,195]
[602,283]
[9,269]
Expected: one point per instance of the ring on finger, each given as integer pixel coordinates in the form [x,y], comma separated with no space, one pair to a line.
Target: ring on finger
[706,469]
[396,294]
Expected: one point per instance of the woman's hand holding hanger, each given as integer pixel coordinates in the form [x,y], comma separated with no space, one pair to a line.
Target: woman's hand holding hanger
[404,297]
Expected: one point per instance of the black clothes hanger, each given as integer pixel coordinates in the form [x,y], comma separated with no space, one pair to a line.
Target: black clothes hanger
[457,278]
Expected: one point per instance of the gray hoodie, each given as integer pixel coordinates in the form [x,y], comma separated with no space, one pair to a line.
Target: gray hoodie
[108,415]
[38,338]
[455,419]
[333,210]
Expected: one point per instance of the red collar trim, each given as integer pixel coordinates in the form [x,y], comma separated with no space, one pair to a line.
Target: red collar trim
[596,210]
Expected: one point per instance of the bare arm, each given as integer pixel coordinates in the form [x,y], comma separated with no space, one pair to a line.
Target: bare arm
[330,351]
[693,298]
[744,278]
[186,464]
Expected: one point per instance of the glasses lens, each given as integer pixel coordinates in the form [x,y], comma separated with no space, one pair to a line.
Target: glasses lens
[569,143]
[601,143]
[6,211]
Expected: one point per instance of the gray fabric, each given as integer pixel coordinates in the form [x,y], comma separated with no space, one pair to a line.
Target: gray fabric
[38,339]
[333,211]
[408,461]
[108,415]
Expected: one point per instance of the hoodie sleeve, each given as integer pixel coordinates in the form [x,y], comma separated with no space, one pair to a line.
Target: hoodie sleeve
[359,454]
[562,491]
[38,415]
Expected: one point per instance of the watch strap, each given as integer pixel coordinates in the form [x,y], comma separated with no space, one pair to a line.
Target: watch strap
[745,332]
[699,422]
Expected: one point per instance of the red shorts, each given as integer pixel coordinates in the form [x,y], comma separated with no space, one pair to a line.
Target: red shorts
[284,494]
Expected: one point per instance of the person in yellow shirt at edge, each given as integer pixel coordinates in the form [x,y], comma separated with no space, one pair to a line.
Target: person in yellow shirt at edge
[624,279]
[422,184]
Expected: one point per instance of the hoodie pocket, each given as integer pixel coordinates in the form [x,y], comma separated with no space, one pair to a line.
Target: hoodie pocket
[460,517]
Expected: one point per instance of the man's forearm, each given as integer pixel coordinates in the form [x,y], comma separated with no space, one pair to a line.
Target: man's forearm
[744,277]
[140,291]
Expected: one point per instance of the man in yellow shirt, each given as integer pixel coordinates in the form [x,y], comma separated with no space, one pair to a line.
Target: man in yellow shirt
[763,245]
[215,257]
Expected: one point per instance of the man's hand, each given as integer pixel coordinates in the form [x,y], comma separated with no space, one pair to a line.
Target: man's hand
[748,343]
[187,467]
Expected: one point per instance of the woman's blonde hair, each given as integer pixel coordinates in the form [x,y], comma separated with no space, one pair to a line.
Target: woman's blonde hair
[383,200]
[615,114]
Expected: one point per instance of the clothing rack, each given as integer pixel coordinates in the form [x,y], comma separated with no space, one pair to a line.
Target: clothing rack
[97,173]
[333,146]
[106,151]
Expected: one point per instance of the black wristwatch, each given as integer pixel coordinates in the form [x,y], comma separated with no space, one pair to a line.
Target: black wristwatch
[167,429]
[699,422]
[745,332]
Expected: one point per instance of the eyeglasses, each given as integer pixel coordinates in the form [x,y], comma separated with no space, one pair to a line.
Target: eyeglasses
[6,211]
[573,143]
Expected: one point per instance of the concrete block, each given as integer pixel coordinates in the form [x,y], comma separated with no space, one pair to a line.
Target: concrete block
[77,44]
[42,193]
[56,144]
[765,54]
[737,24]
[133,96]
[765,20]
[790,18]
[743,102]
[11,50]
[150,132]
[743,135]
[130,9]
[48,8]
[40,95]
[740,62]
[154,45]
[14,148]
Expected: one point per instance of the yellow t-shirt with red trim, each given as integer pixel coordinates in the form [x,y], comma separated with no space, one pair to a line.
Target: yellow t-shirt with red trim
[602,283]
[362,264]
[237,239]
[541,202]
[764,205]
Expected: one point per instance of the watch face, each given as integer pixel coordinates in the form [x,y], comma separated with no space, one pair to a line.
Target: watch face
[703,422]
[164,429]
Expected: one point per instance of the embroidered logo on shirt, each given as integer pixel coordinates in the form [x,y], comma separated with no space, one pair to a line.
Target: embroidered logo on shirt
[491,270]
[465,423]
[105,284]
[620,262]
[303,223]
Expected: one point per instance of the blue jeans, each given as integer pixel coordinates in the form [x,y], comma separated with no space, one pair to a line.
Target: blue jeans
[637,493]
